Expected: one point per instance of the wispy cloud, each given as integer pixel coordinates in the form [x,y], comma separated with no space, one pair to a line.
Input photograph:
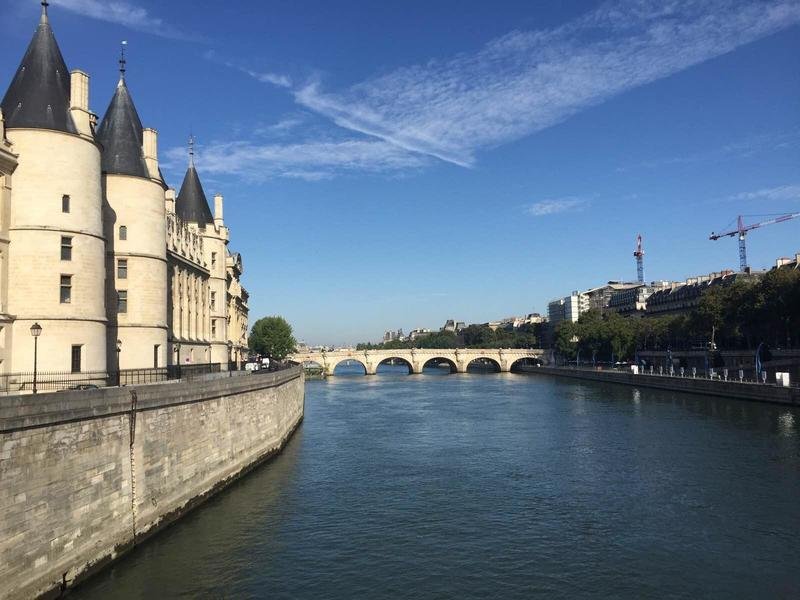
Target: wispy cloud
[263,76]
[123,13]
[524,82]
[553,206]
[741,148]
[310,160]
[782,192]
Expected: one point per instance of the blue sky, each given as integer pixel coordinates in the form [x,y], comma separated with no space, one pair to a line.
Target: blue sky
[396,164]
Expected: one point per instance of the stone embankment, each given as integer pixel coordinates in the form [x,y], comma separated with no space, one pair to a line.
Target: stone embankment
[86,475]
[712,387]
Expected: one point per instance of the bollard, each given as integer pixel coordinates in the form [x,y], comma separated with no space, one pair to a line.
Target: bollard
[682,370]
[694,372]
[741,375]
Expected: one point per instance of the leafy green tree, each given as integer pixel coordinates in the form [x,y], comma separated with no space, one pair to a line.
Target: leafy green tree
[440,339]
[272,337]
[478,336]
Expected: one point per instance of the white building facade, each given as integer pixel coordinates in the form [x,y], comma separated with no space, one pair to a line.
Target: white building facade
[94,246]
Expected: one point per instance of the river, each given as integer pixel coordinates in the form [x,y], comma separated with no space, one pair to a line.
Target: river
[495,486]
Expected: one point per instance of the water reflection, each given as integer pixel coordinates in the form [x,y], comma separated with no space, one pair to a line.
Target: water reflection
[480,486]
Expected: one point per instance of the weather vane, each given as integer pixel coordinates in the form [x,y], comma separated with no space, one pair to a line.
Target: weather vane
[122,60]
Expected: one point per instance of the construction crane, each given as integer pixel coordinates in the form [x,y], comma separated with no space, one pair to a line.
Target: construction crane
[742,229]
[639,254]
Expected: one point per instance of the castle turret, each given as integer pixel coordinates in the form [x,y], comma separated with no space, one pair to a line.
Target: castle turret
[56,247]
[192,207]
[135,230]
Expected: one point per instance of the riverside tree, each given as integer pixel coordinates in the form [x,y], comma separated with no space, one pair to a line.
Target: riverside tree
[272,337]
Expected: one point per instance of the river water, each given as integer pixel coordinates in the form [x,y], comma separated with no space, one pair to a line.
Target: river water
[495,486]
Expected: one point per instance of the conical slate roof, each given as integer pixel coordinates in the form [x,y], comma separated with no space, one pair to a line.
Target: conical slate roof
[120,133]
[39,94]
[191,205]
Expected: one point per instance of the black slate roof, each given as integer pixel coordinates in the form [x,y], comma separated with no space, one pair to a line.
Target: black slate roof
[39,94]
[121,135]
[191,205]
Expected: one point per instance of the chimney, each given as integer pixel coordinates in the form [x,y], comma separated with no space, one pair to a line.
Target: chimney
[169,200]
[79,102]
[218,221]
[150,151]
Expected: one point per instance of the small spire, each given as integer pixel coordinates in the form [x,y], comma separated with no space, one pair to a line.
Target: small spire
[122,61]
[45,4]
[191,150]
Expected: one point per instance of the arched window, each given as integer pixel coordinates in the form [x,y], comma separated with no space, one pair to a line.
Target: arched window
[123,232]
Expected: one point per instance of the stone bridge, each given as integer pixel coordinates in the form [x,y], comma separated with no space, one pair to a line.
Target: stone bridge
[416,359]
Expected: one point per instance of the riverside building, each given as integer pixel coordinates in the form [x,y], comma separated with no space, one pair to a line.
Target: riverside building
[119,271]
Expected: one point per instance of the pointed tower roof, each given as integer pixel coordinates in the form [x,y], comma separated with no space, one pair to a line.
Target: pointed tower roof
[39,94]
[120,132]
[191,205]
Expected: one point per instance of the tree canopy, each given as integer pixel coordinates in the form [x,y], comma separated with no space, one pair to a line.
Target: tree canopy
[736,316]
[474,336]
[272,337]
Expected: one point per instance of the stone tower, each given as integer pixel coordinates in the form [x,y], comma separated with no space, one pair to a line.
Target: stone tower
[56,239]
[135,229]
[192,208]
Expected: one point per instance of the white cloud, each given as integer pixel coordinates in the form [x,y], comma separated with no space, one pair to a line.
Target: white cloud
[309,160]
[524,82]
[782,192]
[262,76]
[553,206]
[123,13]
[742,148]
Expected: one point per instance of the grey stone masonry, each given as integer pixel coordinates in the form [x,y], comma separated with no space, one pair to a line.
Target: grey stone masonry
[755,392]
[85,475]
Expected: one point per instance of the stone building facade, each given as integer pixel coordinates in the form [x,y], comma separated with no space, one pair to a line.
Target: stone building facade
[94,246]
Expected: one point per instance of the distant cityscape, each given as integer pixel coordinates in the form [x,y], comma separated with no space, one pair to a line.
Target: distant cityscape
[627,298]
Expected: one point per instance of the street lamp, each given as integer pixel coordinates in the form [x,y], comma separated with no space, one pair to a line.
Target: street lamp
[119,368]
[230,354]
[36,331]
[177,348]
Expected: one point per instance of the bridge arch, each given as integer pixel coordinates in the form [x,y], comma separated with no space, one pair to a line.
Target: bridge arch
[435,362]
[484,364]
[347,366]
[387,361]
[525,361]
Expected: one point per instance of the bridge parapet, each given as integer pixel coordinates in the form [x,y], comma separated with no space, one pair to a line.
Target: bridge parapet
[416,358]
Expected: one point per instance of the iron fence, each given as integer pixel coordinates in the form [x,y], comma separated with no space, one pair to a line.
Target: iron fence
[51,381]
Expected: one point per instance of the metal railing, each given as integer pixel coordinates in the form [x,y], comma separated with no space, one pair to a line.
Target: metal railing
[51,381]
[712,374]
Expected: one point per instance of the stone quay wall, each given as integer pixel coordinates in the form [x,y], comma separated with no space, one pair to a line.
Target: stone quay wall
[712,387]
[86,475]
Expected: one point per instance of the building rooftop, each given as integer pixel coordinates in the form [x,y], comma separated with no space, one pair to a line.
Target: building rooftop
[191,205]
[120,132]
[39,94]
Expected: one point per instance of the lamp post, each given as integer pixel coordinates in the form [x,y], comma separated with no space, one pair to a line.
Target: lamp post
[36,331]
[119,368]
[178,361]
[230,355]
